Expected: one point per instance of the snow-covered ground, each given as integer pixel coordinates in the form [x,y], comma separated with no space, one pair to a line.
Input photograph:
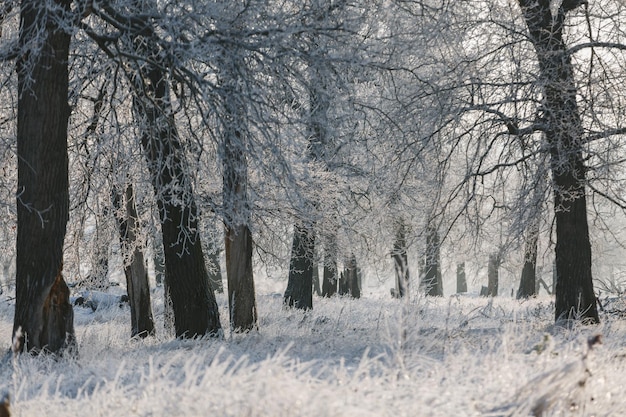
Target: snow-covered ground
[454,356]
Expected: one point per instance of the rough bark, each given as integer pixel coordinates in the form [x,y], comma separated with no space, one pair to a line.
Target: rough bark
[575,298]
[195,308]
[43,318]
[299,292]
[142,324]
[461,280]
[432,277]
[400,261]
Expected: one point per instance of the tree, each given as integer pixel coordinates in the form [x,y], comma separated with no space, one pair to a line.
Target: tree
[44,319]
[575,297]
[461,280]
[195,308]
[142,324]
[493,267]
[400,261]
[299,292]
[432,263]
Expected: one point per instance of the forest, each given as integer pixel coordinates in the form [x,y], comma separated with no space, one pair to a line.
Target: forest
[344,198]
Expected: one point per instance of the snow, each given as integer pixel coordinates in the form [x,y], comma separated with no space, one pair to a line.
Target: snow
[453,356]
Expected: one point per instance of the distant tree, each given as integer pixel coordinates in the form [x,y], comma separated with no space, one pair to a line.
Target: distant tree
[142,324]
[44,319]
[433,281]
[461,279]
[330,276]
[493,268]
[400,261]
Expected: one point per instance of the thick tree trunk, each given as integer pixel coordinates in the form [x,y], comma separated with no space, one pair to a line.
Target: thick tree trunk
[44,319]
[433,280]
[461,280]
[299,292]
[575,298]
[493,275]
[528,282]
[195,308]
[330,276]
[400,261]
[142,324]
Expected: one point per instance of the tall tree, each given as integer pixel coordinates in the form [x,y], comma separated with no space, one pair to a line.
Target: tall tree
[575,298]
[195,308]
[235,199]
[43,315]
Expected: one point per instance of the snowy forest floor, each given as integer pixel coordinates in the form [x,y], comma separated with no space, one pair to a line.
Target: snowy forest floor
[454,356]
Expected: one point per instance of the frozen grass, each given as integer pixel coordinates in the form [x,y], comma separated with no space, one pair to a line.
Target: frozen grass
[457,356]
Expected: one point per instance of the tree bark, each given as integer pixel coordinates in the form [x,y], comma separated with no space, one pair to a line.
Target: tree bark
[461,280]
[44,319]
[433,280]
[400,261]
[330,275]
[195,308]
[493,275]
[142,324]
[528,282]
[299,292]
[575,298]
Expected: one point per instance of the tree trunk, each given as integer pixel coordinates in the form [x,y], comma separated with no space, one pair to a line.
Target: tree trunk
[528,282]
[493,275]
[195,308]
[461,280]
[213,266]
[142,324]
[353,276]
[433,281]
[238,238]
[299,292]
[330,276]
[44,319]
[575,298]
[316,280]
[400,261]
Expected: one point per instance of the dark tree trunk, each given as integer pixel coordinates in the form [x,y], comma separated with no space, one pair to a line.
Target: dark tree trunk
[330,276]
[353,277]
[400,261]
[461,280]
[142,324]
[195,308]
[299,292]
[432,278]
[528,282]
[575,298]
[493,275]
[44,318]
[238,238]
